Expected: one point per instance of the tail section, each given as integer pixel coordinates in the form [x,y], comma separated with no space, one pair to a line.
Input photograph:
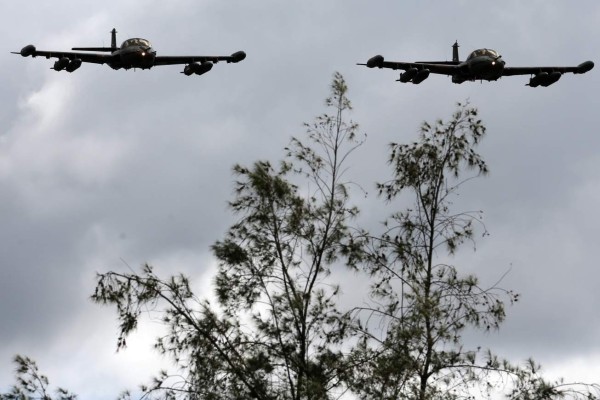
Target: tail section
[113,38]
[113,44]
[455,52]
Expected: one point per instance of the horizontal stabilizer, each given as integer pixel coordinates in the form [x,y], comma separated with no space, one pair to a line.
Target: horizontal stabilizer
[108,49]
[438,62]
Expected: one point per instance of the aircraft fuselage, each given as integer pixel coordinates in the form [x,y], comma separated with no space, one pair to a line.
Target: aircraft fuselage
[482,64]
[134,53]
[133,57]
[485,67]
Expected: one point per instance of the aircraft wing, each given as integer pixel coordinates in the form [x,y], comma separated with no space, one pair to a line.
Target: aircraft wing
[580,69]
[435,67]
[171,60]
[30,50]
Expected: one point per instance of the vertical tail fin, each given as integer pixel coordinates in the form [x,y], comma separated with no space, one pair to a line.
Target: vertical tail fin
[455,52]
[113,38]
[113,44]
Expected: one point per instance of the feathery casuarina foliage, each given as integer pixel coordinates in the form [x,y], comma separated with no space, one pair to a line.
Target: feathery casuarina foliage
[278,330]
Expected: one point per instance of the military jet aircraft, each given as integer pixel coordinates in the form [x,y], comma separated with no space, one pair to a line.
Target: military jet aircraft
[133,53]
[481,64]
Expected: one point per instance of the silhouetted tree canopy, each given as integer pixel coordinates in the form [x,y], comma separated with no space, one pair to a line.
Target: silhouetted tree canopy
[32,385]
[278,329]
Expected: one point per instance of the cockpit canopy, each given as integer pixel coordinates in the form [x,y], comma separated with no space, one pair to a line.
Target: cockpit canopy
[136,42]
[483,53]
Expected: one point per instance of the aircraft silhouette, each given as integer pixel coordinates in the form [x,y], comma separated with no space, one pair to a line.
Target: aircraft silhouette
[481,64]
[133,53]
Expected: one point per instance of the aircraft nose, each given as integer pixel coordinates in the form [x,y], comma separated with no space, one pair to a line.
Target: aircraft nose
[147,51]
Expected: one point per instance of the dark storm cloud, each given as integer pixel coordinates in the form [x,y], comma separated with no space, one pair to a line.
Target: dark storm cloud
[101,166]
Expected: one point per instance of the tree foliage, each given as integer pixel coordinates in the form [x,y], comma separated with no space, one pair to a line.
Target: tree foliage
[276,328]
[275,332]
[32,385]
[411,334]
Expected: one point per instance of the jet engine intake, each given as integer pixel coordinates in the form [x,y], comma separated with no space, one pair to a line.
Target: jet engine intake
[237,57]
[74,64]
[61,64]
[376,61]
[408,75]
[421,76]
[28,50]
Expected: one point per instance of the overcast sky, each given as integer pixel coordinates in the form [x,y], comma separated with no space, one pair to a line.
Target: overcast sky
[103,169]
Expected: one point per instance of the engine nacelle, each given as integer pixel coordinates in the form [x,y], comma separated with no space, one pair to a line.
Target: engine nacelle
[237,57]
[61,64]
[581,68]
[198,69]
[74,64]
[28,50]
[536,80]
[544,79]
[189,69]
[376,61]
[204,68]
[551,78]
[421,76]
[408,75]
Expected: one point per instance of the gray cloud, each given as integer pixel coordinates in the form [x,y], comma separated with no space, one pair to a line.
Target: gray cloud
[101,166]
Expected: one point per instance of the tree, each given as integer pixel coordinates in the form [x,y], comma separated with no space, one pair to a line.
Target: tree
[32,385]
[411,336]
[276,331]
